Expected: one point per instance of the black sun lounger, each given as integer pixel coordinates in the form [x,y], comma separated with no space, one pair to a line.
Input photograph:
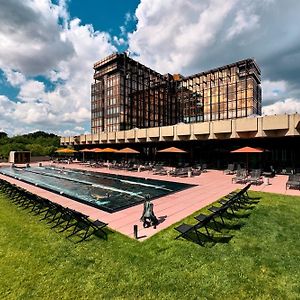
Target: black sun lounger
[83,223]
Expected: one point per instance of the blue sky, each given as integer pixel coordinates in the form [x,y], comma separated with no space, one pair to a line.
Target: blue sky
[110,16]
[47,51]
[105,15]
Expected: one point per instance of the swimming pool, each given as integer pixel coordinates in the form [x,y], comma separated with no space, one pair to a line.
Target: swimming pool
[107,192]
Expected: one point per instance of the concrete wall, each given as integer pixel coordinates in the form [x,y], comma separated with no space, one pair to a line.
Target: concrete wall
[256,127]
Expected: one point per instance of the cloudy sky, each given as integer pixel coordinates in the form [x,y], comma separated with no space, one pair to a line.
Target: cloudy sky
[47,51]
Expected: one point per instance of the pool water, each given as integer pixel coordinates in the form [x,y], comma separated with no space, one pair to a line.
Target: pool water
[107,192]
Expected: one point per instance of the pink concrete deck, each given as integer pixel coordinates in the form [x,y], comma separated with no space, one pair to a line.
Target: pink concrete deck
[170,209]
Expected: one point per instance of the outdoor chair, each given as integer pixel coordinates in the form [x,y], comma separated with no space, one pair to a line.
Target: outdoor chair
[236,199]
[231,202]
[186,230]
[204,168]
[219,211]
[64,219]
[196,171]
[50,211]
[293,182]
[205,220]
[54,213]
[229,170]
[255,177]
[83,223]
[241,176]
[40,206]
[181,172]
[159,170]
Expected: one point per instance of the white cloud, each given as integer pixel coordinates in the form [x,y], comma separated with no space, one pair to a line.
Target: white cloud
[15,78]
[32,91]
[170,34]
[69,73]
[273,90]
[244,21]
[119,41]
[30,36]
[280,107]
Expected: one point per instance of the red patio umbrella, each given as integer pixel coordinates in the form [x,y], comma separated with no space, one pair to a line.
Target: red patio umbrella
[84,151]
[108,150]
[247,150]
[96,150]
[128,151]
[172,150]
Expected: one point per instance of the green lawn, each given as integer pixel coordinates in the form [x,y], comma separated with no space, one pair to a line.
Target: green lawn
[260,261]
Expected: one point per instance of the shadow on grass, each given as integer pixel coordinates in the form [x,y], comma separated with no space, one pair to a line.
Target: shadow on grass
[237,226]
[207,241]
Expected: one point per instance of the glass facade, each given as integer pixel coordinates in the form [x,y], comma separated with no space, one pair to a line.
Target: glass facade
[232,91]
[127,94]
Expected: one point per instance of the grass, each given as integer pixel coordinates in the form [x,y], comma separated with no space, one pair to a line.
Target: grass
[260,260]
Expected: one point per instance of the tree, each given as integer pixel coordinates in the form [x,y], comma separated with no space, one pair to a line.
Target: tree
[39,143]
[3,134]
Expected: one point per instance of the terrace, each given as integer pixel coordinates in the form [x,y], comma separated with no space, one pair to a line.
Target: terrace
[169,209]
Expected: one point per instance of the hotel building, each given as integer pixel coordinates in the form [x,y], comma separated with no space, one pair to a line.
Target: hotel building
[126,94]
[208,114]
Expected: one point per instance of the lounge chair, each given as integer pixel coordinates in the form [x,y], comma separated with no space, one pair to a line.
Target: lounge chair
[159,170]
[89,227]
[229,170]
[204,168]
[241,176]
[293,182]
[255,177]
[204,220]
[180,172]
[187,230]
[196,171]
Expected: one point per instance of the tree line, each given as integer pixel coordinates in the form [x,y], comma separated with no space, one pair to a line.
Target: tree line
[39,143]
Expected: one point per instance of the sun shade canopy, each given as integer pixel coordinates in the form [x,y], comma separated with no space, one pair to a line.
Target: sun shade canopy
[96,150]
[65,150]
[172,150]
[128,151]
[108,150]
[248,150]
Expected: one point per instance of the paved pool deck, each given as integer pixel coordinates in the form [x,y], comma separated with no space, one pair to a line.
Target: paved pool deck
[170,209]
